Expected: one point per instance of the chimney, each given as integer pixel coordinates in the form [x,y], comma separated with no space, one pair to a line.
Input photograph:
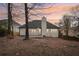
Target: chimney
[43,26]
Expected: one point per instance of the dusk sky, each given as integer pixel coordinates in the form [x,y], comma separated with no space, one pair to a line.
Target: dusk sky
[53,12]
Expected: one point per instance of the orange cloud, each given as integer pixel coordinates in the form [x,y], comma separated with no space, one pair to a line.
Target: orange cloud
[57,11]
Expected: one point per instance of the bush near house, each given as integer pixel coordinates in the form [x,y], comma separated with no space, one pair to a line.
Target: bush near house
[3,32]
[3,27]
[71,38]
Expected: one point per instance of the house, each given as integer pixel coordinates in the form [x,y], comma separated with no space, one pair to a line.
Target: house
[40,28]
[15,25]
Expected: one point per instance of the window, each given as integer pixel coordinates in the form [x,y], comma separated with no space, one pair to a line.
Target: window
[38,30]
[47,30]
[34,30]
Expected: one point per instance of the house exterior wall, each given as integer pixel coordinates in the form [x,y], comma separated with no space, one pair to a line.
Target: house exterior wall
[16,29]
[38,32]
[32,32]
[22,31]
[52,33]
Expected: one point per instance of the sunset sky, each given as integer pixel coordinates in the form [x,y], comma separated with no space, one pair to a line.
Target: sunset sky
[53,12]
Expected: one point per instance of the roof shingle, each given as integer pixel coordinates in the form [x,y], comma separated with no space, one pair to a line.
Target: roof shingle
[37,24]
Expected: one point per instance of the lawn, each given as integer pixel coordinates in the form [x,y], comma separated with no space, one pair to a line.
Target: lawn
[38,47]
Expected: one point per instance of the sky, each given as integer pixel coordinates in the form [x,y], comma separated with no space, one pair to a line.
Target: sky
[52,11]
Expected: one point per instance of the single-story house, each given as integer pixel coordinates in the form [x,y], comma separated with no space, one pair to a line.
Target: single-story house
[40,28]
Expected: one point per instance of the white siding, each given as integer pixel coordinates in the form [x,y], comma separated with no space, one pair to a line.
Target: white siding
[32,32]
[22,31]
[16,29]
[52,33]
[38,32]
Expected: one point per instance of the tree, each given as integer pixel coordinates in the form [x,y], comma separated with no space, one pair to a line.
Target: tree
[3,24]
[66,25]
[26,20]
[60,24]
[3,28]
[10,25]
[75,11]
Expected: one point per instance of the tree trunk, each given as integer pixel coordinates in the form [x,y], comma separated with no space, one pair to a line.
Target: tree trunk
[67,33]
[67,25]
[78,26]
[26,20]
[59,33]
[9,21]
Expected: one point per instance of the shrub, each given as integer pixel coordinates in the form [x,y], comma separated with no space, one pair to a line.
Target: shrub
[3,32]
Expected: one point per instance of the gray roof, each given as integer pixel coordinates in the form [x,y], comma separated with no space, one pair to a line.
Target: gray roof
[37,24]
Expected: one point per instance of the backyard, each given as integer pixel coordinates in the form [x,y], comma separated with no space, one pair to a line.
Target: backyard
[38,47]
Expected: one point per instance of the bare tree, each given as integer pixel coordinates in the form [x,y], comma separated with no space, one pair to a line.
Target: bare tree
[75,11]
[26,20]
[66,25]
[10,25]
[9,20]
[60,24]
